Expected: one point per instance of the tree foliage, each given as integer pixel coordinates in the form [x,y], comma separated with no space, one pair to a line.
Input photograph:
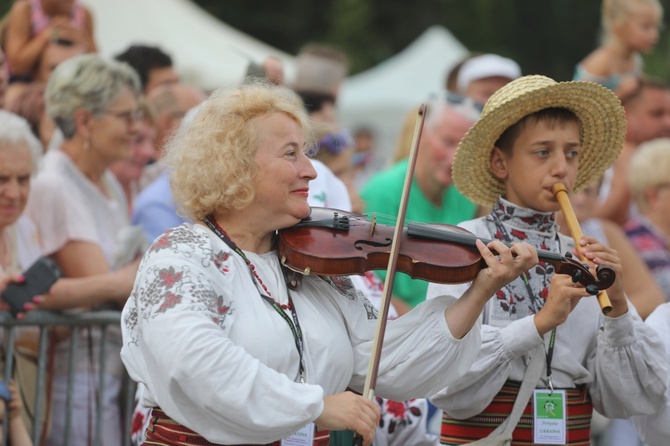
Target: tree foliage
[546,36]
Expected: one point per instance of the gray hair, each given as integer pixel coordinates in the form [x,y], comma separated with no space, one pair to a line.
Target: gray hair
[14,131]
[89,82]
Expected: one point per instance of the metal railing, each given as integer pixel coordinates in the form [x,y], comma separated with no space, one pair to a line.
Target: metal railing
[44,320]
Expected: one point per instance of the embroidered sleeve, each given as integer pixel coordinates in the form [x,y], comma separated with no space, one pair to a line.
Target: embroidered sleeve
[178,344]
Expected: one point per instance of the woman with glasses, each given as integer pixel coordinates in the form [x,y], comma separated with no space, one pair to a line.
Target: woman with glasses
[80,211]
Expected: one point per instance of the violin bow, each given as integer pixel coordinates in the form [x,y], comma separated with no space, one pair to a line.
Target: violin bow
[561,194]
[378,341]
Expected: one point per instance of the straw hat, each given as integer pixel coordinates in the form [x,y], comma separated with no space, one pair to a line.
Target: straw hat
[603,128]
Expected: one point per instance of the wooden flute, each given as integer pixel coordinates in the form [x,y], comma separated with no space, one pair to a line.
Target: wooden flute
[561,194]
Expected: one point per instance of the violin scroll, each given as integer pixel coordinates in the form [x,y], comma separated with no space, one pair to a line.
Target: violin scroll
[579,272]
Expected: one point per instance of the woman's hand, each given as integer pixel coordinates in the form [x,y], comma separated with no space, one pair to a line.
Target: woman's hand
[564,295]
[503,268]
[350,411]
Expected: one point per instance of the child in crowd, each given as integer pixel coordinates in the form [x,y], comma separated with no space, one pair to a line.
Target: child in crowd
[34,24]
[535,133]
[10,416]
[630,27]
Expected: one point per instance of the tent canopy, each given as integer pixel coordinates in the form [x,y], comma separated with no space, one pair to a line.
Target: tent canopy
[205,51]
[380,97]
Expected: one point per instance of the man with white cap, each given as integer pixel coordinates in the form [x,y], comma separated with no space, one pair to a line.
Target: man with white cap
[481,76]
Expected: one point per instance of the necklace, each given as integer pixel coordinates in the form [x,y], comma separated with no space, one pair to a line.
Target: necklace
[223,235]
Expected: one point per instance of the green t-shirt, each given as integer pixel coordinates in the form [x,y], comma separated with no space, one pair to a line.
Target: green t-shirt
[382,193]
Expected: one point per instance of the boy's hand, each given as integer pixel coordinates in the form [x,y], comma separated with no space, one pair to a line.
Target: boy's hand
[600,254]
[564,294]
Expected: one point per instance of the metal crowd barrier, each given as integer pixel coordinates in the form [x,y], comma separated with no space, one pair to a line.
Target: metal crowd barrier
[43,320]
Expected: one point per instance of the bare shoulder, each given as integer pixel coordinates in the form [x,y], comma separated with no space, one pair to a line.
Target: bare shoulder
[19,14]
[599,62]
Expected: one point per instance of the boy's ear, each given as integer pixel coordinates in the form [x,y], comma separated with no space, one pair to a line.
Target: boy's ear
[499,163]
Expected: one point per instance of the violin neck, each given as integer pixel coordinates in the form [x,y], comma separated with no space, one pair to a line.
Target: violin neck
[447,235]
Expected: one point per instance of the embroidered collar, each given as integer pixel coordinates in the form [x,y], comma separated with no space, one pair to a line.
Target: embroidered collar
[523,218]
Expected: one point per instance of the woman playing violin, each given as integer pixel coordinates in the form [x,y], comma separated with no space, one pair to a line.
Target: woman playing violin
[221,348]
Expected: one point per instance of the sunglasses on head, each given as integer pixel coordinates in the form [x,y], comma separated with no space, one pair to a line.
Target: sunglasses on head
[334,143]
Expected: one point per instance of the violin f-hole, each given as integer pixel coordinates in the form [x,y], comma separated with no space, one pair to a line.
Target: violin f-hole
[358,243]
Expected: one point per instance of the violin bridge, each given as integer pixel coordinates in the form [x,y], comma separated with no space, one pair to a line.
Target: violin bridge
[373,224]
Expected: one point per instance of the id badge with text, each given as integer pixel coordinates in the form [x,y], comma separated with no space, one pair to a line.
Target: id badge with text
[549,416]
[304,437]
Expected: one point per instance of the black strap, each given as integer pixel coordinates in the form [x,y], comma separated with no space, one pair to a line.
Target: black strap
[295,325]
[531,294]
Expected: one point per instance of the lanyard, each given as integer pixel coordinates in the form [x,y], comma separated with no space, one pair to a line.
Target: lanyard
[295,325]
[531,294]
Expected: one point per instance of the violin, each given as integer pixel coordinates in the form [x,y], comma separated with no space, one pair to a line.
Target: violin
[332,242]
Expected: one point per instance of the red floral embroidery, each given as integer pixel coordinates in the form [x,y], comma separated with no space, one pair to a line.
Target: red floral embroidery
[519,234]
[138,423]
[170,301]
[544,293]
[162,242]
[219,259]
[169,277]
[395,408]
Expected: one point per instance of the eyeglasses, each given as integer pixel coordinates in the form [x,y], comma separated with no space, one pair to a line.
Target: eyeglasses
[130,116]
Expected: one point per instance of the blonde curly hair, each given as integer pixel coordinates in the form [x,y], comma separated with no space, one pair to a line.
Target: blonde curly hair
[211,159]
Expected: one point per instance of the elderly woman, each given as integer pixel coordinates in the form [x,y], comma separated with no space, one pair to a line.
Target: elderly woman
[80,212]
[650,188]
[220,347]
[20,153]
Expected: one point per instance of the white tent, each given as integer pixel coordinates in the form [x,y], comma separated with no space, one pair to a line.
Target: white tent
[380,97]
[206,52]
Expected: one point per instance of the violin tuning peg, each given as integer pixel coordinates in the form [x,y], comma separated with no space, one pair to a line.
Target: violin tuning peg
[568,255]
[576,277]
[585,265]
[592,289]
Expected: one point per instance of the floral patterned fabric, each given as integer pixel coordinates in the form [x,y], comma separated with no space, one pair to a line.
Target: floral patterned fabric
[654,248]
[512,224]
[217,358]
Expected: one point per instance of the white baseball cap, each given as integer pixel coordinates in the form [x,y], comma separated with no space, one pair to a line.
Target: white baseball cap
[486,65]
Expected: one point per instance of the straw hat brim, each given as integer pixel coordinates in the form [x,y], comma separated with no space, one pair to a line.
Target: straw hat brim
[601,116]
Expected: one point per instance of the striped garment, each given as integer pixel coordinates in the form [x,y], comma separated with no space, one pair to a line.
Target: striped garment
[579,411]
[164,431]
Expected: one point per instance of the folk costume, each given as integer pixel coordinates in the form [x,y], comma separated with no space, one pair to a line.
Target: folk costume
[616,365]
[217,328]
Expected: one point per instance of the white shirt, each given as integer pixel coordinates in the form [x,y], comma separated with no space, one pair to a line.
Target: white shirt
[620,359]
[207,349]
[654,429]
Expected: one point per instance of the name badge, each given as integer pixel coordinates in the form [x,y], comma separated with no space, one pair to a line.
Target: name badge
[304,437]
[549,416]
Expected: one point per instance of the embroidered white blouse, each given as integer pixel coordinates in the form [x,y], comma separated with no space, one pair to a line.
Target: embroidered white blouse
[208,350]
[621,359]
